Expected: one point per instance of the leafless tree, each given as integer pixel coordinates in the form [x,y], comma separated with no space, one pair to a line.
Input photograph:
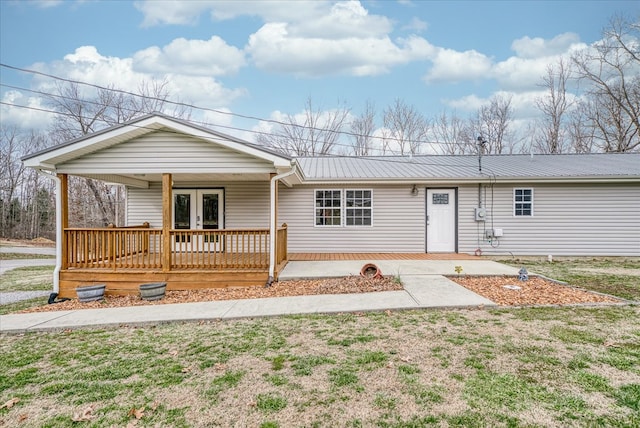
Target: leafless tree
[11,176]
[314,132]
[451,133]
[554,106]
[362,129]
[580,129]
[610,69]
[493,124]
[85,110]
[406,130]
[26,199]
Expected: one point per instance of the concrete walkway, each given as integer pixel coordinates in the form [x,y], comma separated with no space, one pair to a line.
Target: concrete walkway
[424,287]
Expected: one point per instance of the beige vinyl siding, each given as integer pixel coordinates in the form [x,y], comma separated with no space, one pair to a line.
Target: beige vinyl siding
[398,221]
[246,203]
[580,219]
[166,152]
[144,205]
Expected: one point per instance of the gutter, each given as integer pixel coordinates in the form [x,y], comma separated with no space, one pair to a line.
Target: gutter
[474,180]
[273,227]
[56,270]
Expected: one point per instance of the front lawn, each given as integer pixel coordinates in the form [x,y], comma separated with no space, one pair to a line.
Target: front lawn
[535,367]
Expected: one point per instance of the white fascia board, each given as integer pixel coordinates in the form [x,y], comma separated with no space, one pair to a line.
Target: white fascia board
[145,126]
[89,141]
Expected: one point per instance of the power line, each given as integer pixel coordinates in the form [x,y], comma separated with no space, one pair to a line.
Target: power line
[386,159]
[56,112]
[192,106]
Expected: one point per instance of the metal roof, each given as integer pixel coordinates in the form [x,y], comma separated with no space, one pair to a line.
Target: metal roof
[614,166]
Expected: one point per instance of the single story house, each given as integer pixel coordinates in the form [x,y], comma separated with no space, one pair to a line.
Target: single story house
[204,209]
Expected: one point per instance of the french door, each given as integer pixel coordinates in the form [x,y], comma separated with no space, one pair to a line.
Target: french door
[199,209]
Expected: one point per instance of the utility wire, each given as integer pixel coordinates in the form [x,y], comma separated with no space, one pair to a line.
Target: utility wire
[126,109]
[192,106]
[404,160]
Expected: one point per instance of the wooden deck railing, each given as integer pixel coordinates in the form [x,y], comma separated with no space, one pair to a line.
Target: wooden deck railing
[112,248]
[220,249]
[142,248]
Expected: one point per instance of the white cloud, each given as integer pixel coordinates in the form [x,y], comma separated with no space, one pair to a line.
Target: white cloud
[171,12]
[523,104]
[211,57]
[303,38]
[344,20]
[86,64]
[538,47]
[30,113]
[272,48]
[522,72]
[454,66]
[468,103]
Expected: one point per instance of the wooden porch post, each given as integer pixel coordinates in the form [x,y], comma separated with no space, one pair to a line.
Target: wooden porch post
[274,221]
[64,218]
[167,198]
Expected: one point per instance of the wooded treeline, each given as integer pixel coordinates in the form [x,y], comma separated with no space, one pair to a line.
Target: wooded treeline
[590,103]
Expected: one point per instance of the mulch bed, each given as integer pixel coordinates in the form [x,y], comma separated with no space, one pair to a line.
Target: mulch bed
[509,291]
[535,291]
[349,284]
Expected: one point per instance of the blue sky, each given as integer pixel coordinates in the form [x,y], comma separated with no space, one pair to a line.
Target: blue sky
[265,59]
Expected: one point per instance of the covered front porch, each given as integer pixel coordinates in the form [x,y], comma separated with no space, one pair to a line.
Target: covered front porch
[193,258]
[200,210]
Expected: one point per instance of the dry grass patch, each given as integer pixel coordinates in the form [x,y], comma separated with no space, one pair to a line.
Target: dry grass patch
[509,367]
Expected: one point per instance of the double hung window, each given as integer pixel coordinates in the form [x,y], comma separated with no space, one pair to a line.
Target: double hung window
[523,202]
[338,207]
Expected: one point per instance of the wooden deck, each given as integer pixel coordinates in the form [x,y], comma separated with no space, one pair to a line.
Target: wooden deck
[310,257]
[125,258]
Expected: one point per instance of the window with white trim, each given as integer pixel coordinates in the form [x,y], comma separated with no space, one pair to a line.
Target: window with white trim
[328,210]
[523,202]
[337,207]
[358,208]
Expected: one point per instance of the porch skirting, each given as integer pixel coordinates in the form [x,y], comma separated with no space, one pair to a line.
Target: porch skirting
[127,282]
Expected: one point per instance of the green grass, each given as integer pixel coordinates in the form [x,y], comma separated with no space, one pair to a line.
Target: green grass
[31,278]
[10,308]
[221,383]
[270,402]
[23,256]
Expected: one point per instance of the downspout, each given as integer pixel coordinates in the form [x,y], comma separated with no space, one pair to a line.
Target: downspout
[273,227]
[56,270]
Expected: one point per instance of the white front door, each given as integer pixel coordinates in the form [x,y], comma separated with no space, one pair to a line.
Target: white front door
[200,209]
[441,220]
